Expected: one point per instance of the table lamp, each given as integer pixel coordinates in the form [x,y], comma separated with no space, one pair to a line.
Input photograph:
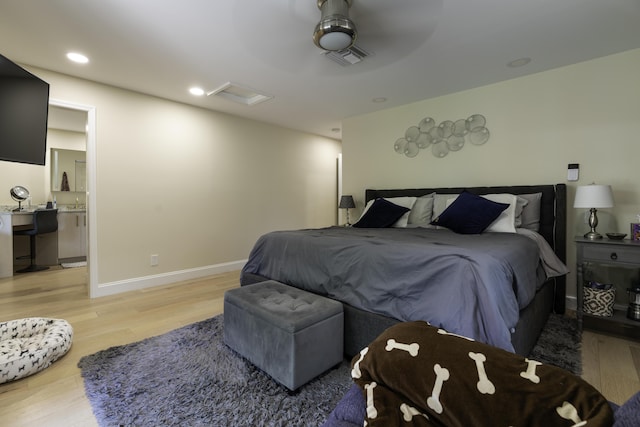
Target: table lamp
[593,196]
[346,202]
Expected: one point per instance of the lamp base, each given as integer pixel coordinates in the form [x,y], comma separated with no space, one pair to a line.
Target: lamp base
[593,235]
[593,223]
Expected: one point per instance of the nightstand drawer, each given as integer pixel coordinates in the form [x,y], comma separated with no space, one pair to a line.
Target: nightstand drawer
[611,254]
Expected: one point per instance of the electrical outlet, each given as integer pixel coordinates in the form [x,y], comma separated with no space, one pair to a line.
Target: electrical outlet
[154,260]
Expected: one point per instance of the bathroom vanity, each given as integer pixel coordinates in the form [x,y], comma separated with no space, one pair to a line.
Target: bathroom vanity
[72,235]
[69,243]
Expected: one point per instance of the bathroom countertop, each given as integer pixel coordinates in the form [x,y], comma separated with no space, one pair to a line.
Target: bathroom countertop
[29,210]
[71,209]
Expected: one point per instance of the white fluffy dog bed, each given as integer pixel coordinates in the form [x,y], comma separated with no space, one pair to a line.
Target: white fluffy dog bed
[30,345]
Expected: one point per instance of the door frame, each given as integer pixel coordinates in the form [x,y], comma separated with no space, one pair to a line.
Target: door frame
[92,238]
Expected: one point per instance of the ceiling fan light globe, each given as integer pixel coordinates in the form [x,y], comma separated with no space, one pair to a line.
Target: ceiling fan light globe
[336,40]
[335,31]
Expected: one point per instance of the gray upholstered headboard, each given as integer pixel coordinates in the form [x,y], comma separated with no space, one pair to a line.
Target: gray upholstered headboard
[553,215]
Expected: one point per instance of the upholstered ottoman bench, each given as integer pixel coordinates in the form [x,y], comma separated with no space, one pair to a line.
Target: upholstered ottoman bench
[290,334]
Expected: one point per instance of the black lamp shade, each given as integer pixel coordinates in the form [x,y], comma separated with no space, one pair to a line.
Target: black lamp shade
[346,202]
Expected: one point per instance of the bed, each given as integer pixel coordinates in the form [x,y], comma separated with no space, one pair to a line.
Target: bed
[375,274]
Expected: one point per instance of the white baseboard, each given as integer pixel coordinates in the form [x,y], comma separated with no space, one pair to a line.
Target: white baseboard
[104,289]
[571,303]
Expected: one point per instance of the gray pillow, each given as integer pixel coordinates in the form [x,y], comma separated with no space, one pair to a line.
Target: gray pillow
[520,204]
[531,212]
[422,210]
[440,203]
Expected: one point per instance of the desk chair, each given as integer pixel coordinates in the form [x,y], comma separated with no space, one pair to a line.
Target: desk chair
[44,221]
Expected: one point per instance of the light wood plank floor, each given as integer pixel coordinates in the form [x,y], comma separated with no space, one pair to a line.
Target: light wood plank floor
[55,396]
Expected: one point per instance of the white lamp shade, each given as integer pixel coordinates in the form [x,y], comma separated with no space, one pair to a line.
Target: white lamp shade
[593,196]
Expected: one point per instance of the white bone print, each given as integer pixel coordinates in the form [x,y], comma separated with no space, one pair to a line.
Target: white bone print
[569,412]
[408,412]
[442,374]
[372,412]
[485,386]
[355,372]
[412,348]
[443,332]
[530,373]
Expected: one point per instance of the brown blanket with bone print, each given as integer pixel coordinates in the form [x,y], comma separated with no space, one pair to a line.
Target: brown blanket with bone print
[417,374]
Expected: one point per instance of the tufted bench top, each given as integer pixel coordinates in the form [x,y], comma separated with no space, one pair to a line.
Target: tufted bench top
[286,307]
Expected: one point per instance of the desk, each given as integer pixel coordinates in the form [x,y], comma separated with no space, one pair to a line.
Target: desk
[47,243]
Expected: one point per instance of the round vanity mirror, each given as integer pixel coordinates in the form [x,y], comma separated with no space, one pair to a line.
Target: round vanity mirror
[19,194]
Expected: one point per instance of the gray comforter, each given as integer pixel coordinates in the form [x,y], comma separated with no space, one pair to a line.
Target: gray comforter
[473,285]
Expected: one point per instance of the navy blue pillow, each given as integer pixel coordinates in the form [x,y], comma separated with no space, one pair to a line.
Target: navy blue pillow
[381,214]
[469,214]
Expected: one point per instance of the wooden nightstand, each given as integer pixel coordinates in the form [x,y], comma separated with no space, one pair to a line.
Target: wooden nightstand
[609,261]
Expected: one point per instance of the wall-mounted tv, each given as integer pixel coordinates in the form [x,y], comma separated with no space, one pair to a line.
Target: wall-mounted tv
[24,107]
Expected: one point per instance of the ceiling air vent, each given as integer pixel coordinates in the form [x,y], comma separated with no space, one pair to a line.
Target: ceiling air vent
[240,94]
[349,56]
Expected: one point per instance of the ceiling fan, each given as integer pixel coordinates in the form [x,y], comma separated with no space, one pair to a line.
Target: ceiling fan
[282,32]
[390,26]
[335,31]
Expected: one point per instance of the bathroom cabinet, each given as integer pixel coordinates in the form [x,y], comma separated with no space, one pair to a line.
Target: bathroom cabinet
[72,235]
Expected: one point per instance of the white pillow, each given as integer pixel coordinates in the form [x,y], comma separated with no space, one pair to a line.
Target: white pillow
[406,202]
[506,222]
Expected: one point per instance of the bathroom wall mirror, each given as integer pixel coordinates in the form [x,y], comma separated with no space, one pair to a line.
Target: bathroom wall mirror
[68,170]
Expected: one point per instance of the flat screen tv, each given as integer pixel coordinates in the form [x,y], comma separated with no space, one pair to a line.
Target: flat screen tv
[24,107]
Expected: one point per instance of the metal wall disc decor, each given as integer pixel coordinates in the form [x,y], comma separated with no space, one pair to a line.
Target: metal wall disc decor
[399,145]
[411,149]
[440,148]
[441,139]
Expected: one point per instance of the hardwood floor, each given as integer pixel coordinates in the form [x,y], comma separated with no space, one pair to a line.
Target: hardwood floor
[611,365]
[55,396]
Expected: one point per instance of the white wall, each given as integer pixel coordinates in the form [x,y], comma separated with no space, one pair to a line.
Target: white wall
[193,186]
[32,177]
[587,113]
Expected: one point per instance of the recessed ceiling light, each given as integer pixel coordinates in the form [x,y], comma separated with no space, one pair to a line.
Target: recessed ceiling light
[520,62]
[379,99]
[197,91]
[77,57]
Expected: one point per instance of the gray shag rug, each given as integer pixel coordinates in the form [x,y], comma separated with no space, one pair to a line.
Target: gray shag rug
[560,344]
[189,377]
